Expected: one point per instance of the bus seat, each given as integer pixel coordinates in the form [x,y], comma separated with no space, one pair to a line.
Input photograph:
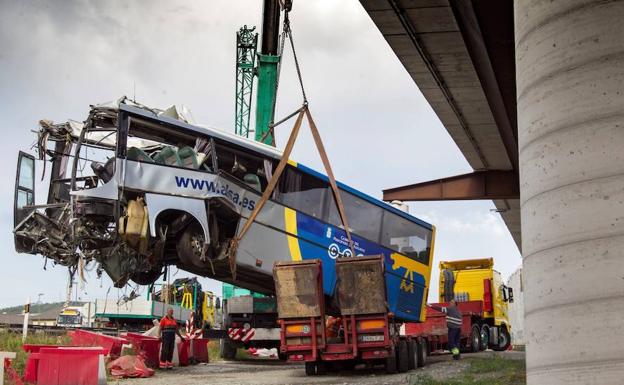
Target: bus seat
[188,158]
[253,180]
[135,153]
[168,156]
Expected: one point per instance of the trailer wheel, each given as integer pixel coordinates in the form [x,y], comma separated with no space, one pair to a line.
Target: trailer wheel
[504,340]
[227,351]
[402,356]
[475,339]
[391,363]
[310,368]
[321,368]
[485,337]
[412,361]
[421,352]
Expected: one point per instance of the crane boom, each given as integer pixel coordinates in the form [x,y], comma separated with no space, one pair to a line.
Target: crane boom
[246,46]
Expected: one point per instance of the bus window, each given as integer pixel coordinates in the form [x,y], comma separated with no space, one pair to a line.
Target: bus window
[251,169]
[152,143]
[364,218]
[406,237]
[303,192]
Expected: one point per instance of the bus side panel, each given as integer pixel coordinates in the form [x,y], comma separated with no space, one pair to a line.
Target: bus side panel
[405,278]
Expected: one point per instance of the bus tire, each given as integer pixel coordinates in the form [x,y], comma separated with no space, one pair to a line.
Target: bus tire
[391,363]
[475,339]
[310,368]
[421,352]
[402,356]
[412,347]
[485,337]
[504,339]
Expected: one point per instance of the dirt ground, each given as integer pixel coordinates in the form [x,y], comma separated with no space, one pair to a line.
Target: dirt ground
[258,372]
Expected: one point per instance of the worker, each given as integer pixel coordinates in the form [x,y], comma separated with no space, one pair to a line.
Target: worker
[167,333]
[332,328]
[454,324]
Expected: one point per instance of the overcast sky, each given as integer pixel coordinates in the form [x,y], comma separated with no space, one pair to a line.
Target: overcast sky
[58,57]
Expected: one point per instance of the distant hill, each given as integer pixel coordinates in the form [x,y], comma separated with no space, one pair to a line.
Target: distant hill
[37,308]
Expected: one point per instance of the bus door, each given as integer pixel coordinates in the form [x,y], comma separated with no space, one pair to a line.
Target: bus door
[24,197]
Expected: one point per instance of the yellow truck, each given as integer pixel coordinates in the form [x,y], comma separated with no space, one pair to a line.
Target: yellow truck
[473,281]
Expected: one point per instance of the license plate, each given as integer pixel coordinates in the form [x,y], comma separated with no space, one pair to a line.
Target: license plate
[374,338]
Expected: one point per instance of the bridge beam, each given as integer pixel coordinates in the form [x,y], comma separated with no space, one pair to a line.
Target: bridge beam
[489,184]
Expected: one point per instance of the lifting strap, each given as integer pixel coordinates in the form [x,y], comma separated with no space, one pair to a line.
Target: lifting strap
[303,111]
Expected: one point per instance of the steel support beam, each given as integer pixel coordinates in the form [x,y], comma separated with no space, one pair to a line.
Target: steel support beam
[490,184]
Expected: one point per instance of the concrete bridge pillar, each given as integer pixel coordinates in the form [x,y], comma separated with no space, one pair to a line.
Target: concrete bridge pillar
[570,84]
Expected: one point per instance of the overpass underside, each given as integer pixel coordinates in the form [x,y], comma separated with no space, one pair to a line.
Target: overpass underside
[463,62]
[558,66]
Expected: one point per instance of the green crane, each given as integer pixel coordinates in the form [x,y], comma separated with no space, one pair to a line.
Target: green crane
[246,45]
[266,71]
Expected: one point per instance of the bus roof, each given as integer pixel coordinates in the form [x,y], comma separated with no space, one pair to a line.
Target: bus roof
[270,151]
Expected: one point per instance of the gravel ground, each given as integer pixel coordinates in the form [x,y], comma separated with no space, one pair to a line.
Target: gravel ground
[259,372]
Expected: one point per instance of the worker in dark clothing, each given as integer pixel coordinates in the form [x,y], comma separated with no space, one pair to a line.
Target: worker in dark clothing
[454,324]
[168,332]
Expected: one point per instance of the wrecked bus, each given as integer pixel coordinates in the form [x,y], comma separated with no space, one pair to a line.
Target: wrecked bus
[164,191]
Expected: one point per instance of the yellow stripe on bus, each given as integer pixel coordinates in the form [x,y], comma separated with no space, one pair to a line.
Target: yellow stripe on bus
[290,219]
[292,163]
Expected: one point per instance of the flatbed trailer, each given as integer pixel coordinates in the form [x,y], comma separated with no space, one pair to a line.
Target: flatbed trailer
[370,333]
[435,332]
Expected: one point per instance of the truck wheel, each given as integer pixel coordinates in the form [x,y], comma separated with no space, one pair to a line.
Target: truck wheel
[475,339]
[310,368]
[402,356]
[227,351]
[421,352]
[391,363]
[504,339]
[321,368]
[485,337]
[412,347]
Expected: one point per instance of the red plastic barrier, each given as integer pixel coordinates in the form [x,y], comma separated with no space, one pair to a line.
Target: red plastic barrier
[58,366]
[183,352]
[32,364]
[200,349]
[112,344]
[148,347]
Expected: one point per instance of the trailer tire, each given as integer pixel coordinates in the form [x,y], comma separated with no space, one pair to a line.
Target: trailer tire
[485,337]
[402,356]
[310,368]
[321,368]
[504,340]
[412,361]
[227,351]
[421,352]
[391,363]
[475,339]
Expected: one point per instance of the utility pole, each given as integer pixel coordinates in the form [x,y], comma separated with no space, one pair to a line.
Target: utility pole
[268,60]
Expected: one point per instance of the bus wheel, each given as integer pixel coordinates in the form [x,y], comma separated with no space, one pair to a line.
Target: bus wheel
[402,357]
[475,338]
[391,363]
[412,361]
[310,368]
[421,352]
